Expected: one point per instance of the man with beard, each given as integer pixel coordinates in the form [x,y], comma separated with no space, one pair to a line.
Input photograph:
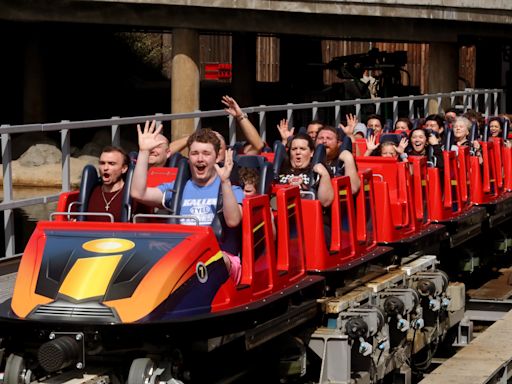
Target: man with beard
[340,164]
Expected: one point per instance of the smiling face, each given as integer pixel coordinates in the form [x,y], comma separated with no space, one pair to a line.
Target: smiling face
[112,168]
[158,156]
[300,153]
[495,128]
[418,141]
[202,159]
[460,130]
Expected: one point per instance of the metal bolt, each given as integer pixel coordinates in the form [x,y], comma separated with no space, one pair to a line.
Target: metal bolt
[78,337]
[51,336]
[79,365]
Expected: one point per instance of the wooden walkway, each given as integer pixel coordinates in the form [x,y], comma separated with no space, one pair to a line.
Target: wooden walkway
[487,359]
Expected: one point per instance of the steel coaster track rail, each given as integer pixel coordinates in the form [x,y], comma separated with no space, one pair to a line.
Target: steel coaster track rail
[493,101]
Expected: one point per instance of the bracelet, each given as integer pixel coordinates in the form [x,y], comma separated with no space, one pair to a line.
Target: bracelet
[242,116]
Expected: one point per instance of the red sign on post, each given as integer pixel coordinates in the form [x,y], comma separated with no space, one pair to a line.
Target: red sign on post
[217,71]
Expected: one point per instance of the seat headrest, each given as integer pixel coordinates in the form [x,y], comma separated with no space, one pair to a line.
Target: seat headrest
[182,176]
[126,207]
[90,179]
[346,144]
[173,160]
[319,155]
[279,156]
[391,137]
[448,139]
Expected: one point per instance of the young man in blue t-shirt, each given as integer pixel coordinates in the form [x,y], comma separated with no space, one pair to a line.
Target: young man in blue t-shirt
[201,191]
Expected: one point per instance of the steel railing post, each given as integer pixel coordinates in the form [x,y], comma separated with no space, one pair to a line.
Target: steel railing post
[337,114]
[262,117]
[289,116]
[66,158]
[395,108]
[115,133]
[314,111]
[7,185]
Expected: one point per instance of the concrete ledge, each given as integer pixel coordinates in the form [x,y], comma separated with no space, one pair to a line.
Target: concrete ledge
[491,11]
[391,20]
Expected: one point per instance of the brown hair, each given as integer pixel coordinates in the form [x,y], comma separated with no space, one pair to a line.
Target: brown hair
[205,135]
[330,128]
[111,148]
[248,176]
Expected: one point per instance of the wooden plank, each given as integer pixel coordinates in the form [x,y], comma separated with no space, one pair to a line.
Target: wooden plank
[481,361]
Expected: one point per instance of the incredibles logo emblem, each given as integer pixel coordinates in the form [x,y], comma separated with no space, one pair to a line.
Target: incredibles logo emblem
[201,272]
[108,245]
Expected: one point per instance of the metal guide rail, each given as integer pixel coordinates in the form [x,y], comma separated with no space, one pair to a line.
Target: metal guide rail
[374,329]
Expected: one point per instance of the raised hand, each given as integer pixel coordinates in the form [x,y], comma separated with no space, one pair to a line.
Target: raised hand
[400,148]
[351,124]
[225,171]
[285,133]
[148,137]
[371,145]
[232,106]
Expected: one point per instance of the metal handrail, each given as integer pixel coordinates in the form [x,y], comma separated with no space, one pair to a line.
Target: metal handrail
[164,216]
[68,214]
[469,98]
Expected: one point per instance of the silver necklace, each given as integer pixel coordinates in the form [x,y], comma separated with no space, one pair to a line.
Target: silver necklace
[107,203]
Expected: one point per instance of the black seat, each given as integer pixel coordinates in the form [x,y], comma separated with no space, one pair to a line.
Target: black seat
[126,207]
[319,156]
[174,159]
[182,176]
[341,133]
[505,125]
[346,144]
[448,140]
[279,157]
[89,181]
[391,137]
